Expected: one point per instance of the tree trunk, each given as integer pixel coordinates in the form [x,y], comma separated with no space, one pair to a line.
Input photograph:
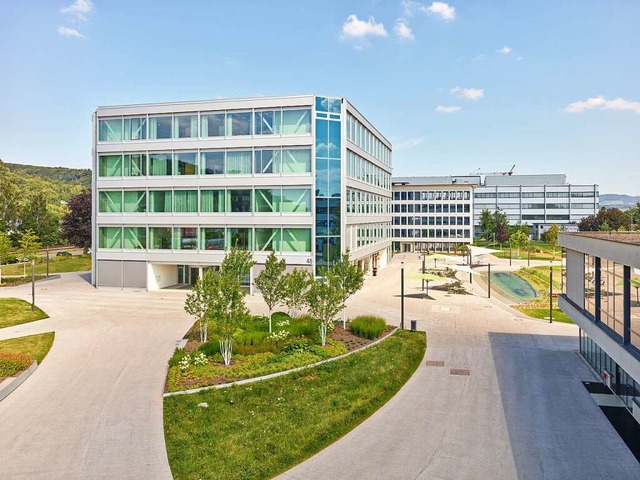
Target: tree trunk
[269,319]
[323,333]
[344,318]
[225,350]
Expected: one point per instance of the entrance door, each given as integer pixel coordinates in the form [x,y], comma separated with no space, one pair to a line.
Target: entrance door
[195,273]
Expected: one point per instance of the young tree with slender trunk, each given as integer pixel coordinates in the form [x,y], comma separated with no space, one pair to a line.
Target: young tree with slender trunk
[325,302]
[519,239]
[270,282]
[198,301]
[350,279]
[295,287]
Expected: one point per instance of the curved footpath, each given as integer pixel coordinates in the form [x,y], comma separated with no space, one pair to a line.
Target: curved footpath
[520,413]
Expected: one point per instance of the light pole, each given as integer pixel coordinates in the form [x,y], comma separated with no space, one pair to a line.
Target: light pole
[551,293]
[402,295]
[529,253]
[489,280]
[423,272]
[33,284]
[510,251]
[47,249]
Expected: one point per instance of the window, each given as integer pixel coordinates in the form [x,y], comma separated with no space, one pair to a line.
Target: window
[185,163]
[110,130]
[296,240]
[185,126]
[296,122]
[268,239]
[212,125]
[135,201]
[135,128]
[239,201]
[160,201]
[110,165]
[268,200]
[611,295]
[240,238]
[239,162]
[135,164]
[185,201]
[296,200]
[266,161]
[212,201]
[239,123]
[135,238]
[267,122]
[160,164]
[110,237]
[296,160]
[110,202]
[160,127]
[160,238]
[212,163]
[212,238]
[185,238]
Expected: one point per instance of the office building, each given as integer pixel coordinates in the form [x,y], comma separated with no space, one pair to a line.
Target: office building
[432,213]
[602,297]
[177,184]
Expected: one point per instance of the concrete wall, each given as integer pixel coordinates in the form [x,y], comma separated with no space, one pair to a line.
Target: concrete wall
[575,277]
[161,276]
[624,253]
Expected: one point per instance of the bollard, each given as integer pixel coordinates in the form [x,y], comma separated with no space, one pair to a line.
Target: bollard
[413,325]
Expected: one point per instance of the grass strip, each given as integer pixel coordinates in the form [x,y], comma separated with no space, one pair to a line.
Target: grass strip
[14,311]
[74,263]
[543,314]
[35,346]
[259,430]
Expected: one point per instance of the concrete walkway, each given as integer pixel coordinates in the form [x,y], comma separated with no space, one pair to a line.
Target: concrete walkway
[522,411]
[93,409]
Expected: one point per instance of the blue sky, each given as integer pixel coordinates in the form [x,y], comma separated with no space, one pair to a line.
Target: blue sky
[552,87]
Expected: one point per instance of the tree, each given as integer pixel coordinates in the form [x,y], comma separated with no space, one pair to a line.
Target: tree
[37,217]
[295,286]
[270,282]
[519,240]
[325,301]
[502,233]
[76,225]
[198,301]
[9,201]
[614,219]
[588,224]
[238,263]
[29,245]
[5,247]
[350,279]
[487,223]
[550,236]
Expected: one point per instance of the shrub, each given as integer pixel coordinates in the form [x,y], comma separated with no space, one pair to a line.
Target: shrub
[12,363]
[296,345]
[210,348]
[331,349]
[178,355]
[367,326]
[304,325]
[279,316]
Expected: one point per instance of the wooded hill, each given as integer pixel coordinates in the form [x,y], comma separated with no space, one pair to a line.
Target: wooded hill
[71,176]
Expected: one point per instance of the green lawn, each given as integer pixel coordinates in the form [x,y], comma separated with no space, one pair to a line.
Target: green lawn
[75,263]
[35,346]
[259,430]
[14,311]
[543,313]
[539,250]
[538,277]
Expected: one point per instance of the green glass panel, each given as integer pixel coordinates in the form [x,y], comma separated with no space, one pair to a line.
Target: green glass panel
[296,200]
[185,238]
[160,201]
[268,239]
[296,240]
[160,163]
[185,201]
[135,238]
[110,202]
[160,238]
[135,201]
[135,128]
[268,200]
[296,122]
[239,237]
[110,165]
[185,126]
[110,130]
[212,201]
[110,237]
[185,163]
[239,162]
[212,238]
[238,201]
[135,165]
[296,160]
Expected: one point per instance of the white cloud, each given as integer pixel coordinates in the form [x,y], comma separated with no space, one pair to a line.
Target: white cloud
[468,93]
[409,143]
[69,32]
[443,109]
[409,6]
[403,30]
[601,102]
[356,28]
[79,8]
[442,9]
[505,50]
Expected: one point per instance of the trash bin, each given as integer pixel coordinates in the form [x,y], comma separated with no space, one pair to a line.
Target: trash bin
[375,271]
[413,325]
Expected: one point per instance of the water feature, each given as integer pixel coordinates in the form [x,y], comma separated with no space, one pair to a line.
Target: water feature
[513,285]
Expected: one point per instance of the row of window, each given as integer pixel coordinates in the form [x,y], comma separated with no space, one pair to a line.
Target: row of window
[542,206]
[432,220]
[534,195]
[277,121]
[367,203]
[367,140]
[371,233]
[207,162]
[277,239]
[264,200]
[363,170]
[432,195]
[432,208]
[431,233]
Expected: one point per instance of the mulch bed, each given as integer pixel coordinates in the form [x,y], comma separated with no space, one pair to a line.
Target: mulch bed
[351,341]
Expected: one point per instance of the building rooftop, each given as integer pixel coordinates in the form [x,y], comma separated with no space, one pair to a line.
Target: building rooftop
[439,180]
[630,238]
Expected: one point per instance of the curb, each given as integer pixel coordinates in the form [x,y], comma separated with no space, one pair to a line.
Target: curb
[277,374]
[16,382]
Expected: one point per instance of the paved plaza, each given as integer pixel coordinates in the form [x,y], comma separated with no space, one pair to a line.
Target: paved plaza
[93,409]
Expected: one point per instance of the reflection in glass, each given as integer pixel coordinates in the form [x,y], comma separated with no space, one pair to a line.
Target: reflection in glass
[212,201]
[110,130]
[212,238]
[212,163]
[110,237]
[238,162]
[296,122]
[296,200]
[135,238]
[160,164]
[185,238]
[322,177]
[160,238]
[240,238]
[268,239]
[160,127]
[239,201]
[186,126]
[265,161]
[240,123]
[212,125]
[135,128]
[160,201]
[185,163]
[296,160]
[110,165]
[185,201]
[296,240]
[135,165]
[268,200]
[110,202]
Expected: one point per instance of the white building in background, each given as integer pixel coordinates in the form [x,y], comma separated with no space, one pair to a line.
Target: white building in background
[177,184]
[536,200]
[432,213]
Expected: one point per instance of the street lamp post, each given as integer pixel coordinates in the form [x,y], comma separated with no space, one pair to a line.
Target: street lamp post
[47,249]
[423,272]
[402,295]
[33,284]
[529,253]
[509,251]
[550,293]
[489,280]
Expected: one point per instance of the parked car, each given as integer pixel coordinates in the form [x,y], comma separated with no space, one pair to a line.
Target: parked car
[63,253]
